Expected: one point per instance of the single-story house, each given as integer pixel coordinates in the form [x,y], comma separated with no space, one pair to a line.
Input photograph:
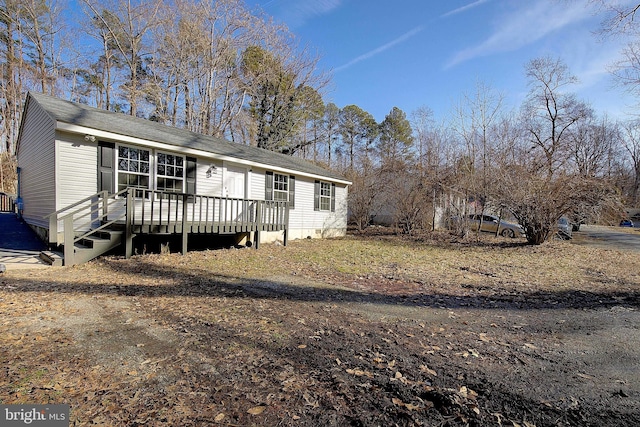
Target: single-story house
[103,179]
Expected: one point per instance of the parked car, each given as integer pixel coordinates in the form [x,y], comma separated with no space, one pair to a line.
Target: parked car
[564,228]
[626,223]
[491,223]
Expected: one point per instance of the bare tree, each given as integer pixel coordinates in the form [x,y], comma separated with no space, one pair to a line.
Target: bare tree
[311,111]
[197,64]
[550,112]
[592,146]
[30,31]
[539,181]
[620,17]
[621,20]
[277,73]
[476,116]
[363,193]
[631,144]
[422,124]
[12,69]
[127,25]
[40,24]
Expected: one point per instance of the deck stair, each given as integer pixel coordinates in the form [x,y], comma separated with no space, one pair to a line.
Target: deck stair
[94,245]
[90,227]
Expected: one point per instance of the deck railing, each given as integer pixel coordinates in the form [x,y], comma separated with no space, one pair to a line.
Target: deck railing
[7,203]
[143,211]
[153,212]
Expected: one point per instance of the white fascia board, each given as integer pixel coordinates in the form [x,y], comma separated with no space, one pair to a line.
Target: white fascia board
[71,128]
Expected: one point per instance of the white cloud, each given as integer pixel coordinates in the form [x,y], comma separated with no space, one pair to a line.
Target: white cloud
[525,26]
[464,8]
[381,49]
[296,13]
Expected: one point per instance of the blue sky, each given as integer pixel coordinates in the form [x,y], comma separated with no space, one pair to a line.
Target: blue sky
[414,53]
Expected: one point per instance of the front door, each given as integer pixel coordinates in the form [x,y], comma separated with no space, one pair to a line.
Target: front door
[235,179]
[235,182]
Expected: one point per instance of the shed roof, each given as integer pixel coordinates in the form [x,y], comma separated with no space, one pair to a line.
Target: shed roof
[122,124]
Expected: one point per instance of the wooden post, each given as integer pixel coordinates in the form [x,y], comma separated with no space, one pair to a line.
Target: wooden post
[128,225]
[69,237]
[53,229]
[185,233]
[94,210]
[256,237]
[286,223]
[105,205]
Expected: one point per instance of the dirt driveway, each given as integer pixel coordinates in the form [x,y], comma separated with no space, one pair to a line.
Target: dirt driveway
[361,331]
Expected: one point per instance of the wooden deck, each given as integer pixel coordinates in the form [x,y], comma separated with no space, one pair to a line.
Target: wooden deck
[140,212]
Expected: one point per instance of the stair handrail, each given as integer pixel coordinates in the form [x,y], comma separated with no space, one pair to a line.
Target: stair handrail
[102,200]
[104,208]
[79,202]
[99,218]
[56,216]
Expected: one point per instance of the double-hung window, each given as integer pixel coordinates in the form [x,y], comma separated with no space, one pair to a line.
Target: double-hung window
[133,168]
[169,173]
[280,188]
[324,196]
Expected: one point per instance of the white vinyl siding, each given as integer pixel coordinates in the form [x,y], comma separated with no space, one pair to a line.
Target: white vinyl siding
[36,154]
[208,184]
[304,217]
[77,175]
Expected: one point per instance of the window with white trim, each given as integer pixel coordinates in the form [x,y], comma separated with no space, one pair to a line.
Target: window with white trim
[325,196]
[280,187]
[133,168]
[169,173]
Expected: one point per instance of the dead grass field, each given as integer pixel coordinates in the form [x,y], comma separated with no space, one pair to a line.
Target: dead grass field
[363,330]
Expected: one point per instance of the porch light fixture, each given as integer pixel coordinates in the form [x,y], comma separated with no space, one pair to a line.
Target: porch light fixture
[212,171]
[90,138]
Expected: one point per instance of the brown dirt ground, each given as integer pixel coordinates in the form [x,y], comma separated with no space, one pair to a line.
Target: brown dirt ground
[363,331]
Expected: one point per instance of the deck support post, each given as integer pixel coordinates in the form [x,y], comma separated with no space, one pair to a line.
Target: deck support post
[286,224]
[53,230]
[185,233]
[69,237]
[128,226]
[256,235]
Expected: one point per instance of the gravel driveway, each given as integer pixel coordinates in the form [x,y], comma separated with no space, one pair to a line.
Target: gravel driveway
[624,239]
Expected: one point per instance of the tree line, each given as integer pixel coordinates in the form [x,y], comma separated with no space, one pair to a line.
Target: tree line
[218,68]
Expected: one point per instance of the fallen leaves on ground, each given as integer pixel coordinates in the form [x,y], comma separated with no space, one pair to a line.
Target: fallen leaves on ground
[359,330]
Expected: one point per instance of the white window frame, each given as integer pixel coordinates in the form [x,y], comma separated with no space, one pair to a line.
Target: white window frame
[120,172]
[166,175]
[324,197]
[280,187]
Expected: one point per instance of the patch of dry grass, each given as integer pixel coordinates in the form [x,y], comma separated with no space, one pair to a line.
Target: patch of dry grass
[236,331]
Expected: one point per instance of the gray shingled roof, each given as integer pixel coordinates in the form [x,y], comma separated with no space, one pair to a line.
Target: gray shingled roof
[122,124]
